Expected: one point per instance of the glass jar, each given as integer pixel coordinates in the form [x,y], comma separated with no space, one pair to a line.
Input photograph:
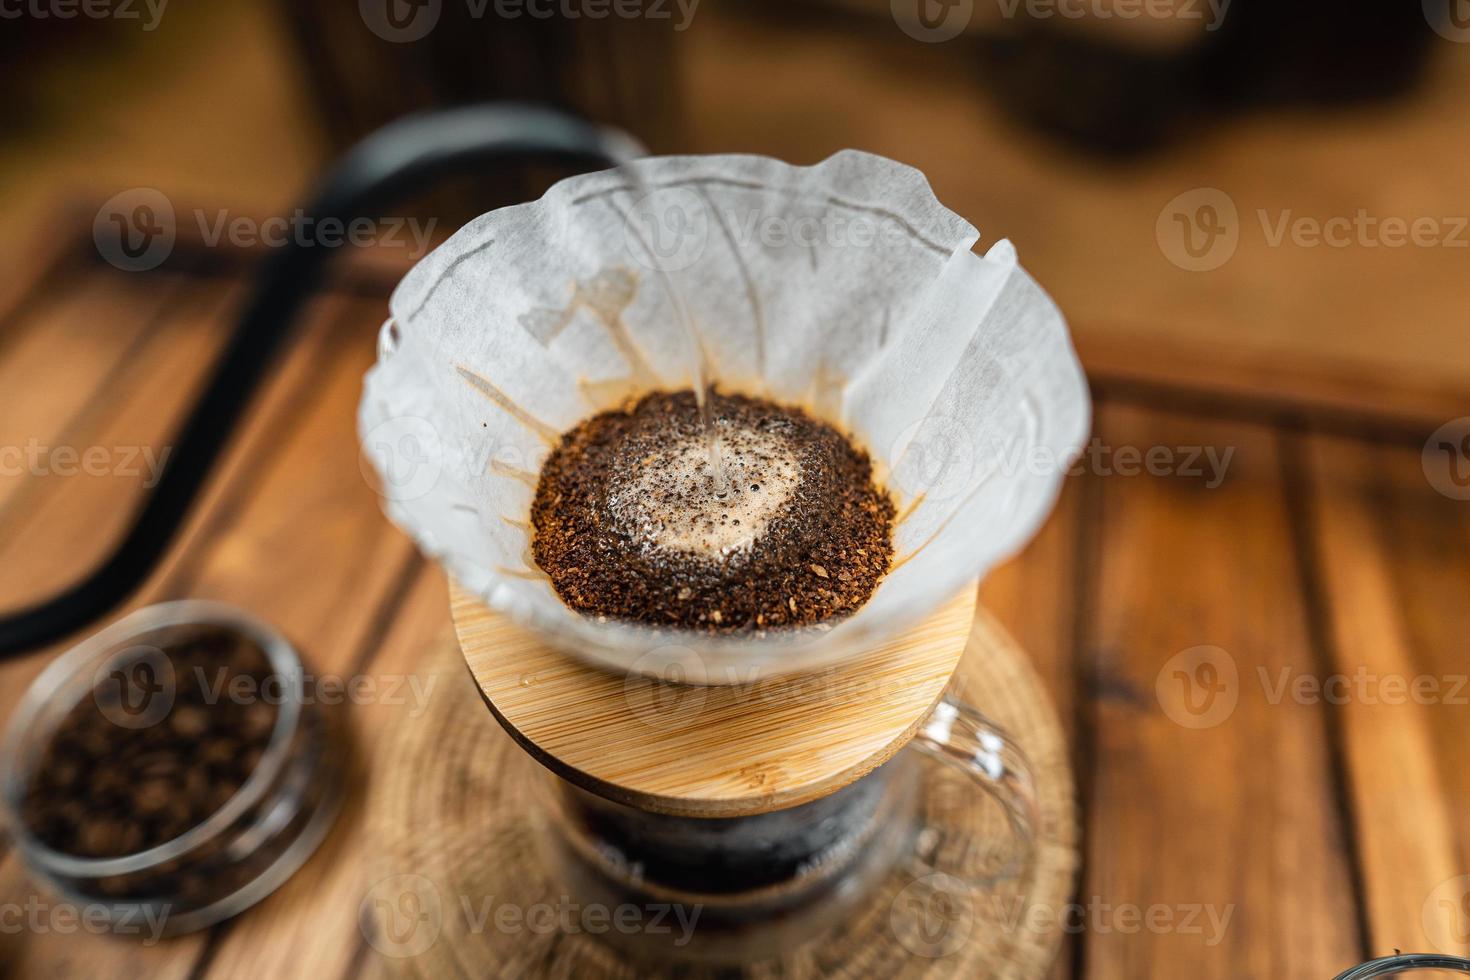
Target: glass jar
[758,885]
[236,856]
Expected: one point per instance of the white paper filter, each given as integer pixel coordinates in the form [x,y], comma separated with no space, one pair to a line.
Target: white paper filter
[844,287]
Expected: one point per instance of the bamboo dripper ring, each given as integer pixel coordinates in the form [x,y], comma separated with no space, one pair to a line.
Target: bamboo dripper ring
[724,751]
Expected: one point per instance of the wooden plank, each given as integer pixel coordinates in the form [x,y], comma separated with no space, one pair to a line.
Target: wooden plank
[1037,597]
[1393,560]
[1156,371]
[54,361]
[300,542]
[46,263]
[280,396]
[58,525]
[309,928]
[1207,799]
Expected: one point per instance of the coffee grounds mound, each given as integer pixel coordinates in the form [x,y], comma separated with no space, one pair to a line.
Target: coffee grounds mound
[630,524]
[103,789]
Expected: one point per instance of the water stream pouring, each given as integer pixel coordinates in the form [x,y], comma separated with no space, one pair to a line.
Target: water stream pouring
[671,215]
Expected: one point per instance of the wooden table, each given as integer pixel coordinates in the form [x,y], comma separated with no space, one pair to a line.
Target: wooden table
[1323,830]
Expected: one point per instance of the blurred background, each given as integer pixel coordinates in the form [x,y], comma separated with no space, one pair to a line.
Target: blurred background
[1070,126]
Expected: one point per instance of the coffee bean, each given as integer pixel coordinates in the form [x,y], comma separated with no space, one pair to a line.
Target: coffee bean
[258,720]
[157,763]
[219,752]
[189,722]
[100,789]
[104,836]
[152,796]
[113,886]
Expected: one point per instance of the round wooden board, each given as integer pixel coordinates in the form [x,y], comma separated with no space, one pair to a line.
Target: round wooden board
[716,751]
[453,821]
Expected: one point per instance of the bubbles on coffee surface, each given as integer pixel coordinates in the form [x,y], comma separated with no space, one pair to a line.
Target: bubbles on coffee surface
[672,499]
[631,521]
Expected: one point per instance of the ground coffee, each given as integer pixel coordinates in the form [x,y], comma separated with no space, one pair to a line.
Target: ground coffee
[632,523]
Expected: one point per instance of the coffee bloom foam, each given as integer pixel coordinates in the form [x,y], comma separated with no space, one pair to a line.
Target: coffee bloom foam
[670,500]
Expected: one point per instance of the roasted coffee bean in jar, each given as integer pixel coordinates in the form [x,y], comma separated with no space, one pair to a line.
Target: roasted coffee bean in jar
[171,763]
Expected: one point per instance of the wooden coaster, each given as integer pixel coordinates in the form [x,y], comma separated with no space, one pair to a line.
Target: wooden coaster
[721,751]
[453,827]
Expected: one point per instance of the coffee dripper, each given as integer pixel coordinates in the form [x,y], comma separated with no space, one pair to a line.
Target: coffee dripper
[770,787]
[772,812]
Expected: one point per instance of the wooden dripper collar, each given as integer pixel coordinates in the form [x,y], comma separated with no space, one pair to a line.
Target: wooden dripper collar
[724,751]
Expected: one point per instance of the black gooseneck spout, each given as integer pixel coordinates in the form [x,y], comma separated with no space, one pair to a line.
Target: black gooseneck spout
[405,156]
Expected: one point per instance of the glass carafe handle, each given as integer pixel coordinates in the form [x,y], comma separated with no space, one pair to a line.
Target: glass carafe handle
[960,736]
[1405,964]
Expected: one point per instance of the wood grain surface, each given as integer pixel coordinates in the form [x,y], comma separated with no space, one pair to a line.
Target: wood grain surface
[711,751]
[1318,818]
